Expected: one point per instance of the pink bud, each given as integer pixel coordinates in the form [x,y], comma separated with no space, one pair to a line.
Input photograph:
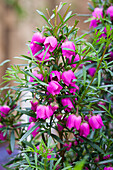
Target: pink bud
[74,121]
[84,129]
[4,110]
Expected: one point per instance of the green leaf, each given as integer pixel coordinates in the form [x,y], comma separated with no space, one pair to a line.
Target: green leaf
[84,74]
[99,77]
[79,165]
[12,140]
[57,138]
[106,161]
[6,61]
[29,131]
[57,163]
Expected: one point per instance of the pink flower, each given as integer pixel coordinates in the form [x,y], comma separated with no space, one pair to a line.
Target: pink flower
[73,88]
[54,106]
[54,87]
[84,129]
[110,12]
[95,122]
[60,127]
[2,137]
[50,42]
[39,76]
[37,38]
[67,77]
[92,71]
[108,168]
[97,13]
[70,51]
[67,102]
[58,116]
[55,75]
[34,105]
[43,56]
[32,119]
[106,157]
[9,151]
[68,146]
[74,121]
[44,112]
[4,110]
[77,58]
[110,56]
[34,133]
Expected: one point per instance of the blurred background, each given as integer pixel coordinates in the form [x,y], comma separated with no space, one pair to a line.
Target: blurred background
[18,20]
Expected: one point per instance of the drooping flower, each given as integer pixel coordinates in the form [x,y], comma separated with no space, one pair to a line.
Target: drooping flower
[97,13]
[39,76]
[35,132]
[54,106]
[67,102]
[92,71]
[84,129]
[34,105]
[55,75]
[74,121]
[43,56]
[95,122]
[108,168]
[68,146]
[77,58]
[58,116]
[60,127]
[110,12]
[2,137]
[54,87]
[70,51]
[50,42]
[36,42]
[44,112]
[8,150]
[4,110]
[67,77]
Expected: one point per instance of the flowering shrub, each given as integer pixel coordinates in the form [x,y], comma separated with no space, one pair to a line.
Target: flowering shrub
[69,109]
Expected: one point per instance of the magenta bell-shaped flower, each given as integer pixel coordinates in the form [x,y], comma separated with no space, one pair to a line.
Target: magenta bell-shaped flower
[34,105]
[43,56]
[4,110]
[95,122]
[92,71]
[44,112]
[67,77]
[34,133]
[67,102]
[84,129]
[68,146]
[110,12]
[50,42]
[60,127]
[70,51]
[55,75]
[108,168]
[54,87]
[74,121]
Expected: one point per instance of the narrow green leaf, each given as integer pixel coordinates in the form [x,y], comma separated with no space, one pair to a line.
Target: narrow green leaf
[6,61]
[84,74]
[57,138]
[99,77]
[12,140]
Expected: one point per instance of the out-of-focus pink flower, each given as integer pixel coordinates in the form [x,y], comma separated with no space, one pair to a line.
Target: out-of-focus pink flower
[68,146]
[74,121]
[67,102]
[60,127]
[39,76]
[2,137]
[54,106]
[58,167]
[86,118]
[70,51]
[110,56]
[32,119]
[37,38]
[67,77]
[8,150]
[34,105]
[101,103]
[4,110]
[92,71]
[55,75]
[110,12]
[73,88]
[77,58]
[44,112]
[97,13]
[84,129]
[108,168]
[106,157]
[54,87]
[43,56]
[58,116]
[50,42]
[95,122]
[34,133]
